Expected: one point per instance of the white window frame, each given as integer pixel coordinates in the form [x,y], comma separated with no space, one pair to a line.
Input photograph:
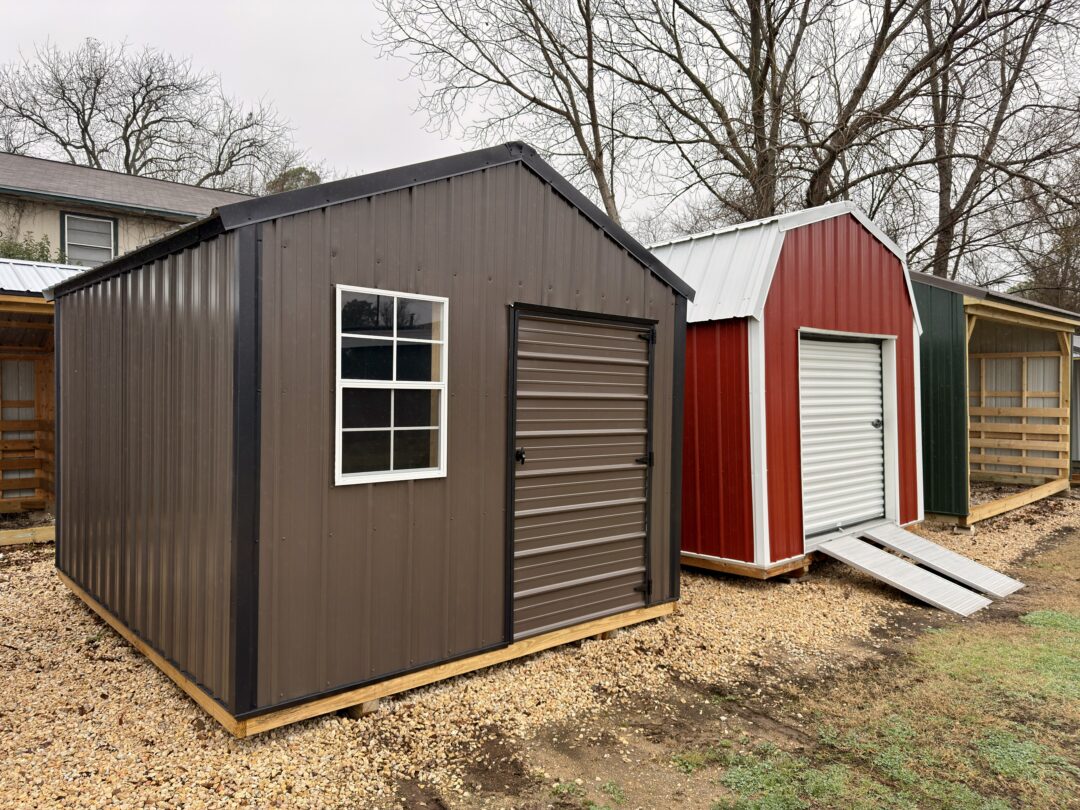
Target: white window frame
[343,479]
[67,233]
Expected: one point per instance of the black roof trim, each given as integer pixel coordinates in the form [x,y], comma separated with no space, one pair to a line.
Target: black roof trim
[193,234]
[983,293]
[234,215]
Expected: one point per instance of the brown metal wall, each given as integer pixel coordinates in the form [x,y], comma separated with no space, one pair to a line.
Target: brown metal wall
[357,582]
[145,430]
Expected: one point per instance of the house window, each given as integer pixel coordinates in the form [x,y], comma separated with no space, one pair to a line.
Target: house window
[89,241]
[391,386]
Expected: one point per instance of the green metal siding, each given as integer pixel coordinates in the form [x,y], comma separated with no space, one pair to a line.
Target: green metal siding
[943,358]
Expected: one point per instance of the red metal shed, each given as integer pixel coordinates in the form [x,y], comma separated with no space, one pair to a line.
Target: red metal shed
[801,423]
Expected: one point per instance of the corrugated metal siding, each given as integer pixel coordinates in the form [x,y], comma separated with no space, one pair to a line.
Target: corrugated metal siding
[717,503]
[33,277]
[145,452]
[832,275]
[580,489]
[360,581]
[943,364]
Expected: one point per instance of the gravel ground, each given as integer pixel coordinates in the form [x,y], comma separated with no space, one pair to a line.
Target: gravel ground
[87,722]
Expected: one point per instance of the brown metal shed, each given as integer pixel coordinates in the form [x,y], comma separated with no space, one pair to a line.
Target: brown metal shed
[328,445]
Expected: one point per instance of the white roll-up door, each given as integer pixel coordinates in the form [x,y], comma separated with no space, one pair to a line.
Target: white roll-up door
[843,458]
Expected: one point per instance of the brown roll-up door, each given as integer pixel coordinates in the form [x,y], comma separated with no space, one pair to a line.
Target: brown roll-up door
[580,484]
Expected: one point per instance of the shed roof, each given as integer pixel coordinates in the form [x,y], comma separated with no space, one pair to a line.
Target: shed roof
[38,178]
[262,209]
[732,268]
[971,291]
[21,277]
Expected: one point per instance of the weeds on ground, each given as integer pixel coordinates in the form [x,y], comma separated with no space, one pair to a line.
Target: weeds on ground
[613,792]
[689,761]
[985,725]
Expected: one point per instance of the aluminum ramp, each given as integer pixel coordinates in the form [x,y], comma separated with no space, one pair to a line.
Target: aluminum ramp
[904,576]
[949,563]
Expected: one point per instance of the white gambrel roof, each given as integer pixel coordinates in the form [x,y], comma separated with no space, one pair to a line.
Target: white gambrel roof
[732,268]
[20,276]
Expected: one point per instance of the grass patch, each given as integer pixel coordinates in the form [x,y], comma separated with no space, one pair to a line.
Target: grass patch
[567,790]
[690,761]
[980,717]
[1052,619]
[613,792]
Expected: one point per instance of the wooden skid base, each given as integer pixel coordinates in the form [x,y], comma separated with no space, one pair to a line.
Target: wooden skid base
[1010,502]
[801,564]
[366,694]
[35,534]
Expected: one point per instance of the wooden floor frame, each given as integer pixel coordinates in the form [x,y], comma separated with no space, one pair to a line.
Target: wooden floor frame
[353,697]
[35,534]
[800,564]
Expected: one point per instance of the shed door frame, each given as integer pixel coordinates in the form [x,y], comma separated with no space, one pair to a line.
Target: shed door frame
[891,438]
[516,310]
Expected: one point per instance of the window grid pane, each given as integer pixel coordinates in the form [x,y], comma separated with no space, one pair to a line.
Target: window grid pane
[413,446]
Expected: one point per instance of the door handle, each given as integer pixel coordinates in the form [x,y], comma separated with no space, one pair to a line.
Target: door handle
[877,423]
[519,455]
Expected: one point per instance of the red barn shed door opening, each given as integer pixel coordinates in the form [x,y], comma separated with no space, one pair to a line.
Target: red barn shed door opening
[842,428]
[580,479]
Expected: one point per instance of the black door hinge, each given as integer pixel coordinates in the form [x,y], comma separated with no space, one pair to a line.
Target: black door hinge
[649,337]
[647,459]
[645,588]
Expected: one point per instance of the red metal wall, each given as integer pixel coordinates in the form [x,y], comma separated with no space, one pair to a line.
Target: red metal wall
[717,514]
[831,275]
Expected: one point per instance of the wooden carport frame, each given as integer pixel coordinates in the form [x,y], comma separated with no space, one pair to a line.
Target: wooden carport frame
[1020,433]
[28,312]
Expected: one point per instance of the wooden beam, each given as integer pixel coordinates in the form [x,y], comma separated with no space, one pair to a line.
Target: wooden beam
[10,324]
[1053,413]
[1010,502]
[26,424]
[1019,444]
[35,534]
[25,305]
[27,463]
[17,403]
[364,694]
[744,569]
[1011,355]
[19,483]
[1021,461]
[998,311]
[1017,427]
[1020,479]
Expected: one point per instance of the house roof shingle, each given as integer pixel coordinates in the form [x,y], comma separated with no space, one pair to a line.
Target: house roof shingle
[50,179]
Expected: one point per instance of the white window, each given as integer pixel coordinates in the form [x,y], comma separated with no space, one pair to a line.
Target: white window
[391,386]
[88,240]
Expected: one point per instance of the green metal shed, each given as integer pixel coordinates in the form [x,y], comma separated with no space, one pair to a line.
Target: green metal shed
[995,392]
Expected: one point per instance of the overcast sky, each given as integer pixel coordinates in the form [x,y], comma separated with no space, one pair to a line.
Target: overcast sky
[349,108]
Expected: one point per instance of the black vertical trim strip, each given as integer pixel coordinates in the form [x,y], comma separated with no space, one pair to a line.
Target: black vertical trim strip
[246,422]
[678,385]
[511,435]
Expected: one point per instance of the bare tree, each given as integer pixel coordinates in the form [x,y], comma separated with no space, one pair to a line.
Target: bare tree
[140,112]
[1004,121]
[532,69]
